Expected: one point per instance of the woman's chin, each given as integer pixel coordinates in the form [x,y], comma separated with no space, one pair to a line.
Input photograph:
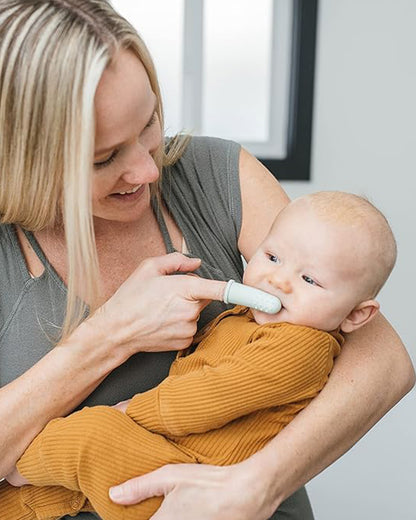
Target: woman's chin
[124,208]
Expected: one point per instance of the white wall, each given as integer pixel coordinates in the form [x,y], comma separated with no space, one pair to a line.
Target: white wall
[364,141]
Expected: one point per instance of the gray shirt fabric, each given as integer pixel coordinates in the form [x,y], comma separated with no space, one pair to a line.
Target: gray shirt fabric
[202,193]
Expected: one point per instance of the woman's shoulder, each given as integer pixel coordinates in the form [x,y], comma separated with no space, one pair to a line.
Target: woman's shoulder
[210,164]
[204,142]
[209,151]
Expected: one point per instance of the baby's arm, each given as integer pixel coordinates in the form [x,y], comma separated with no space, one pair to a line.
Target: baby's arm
[277,366]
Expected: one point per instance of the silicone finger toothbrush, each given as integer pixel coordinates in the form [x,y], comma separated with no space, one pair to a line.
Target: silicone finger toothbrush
[241,294]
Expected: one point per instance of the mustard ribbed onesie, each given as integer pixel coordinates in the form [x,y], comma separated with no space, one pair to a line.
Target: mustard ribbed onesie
[219,405]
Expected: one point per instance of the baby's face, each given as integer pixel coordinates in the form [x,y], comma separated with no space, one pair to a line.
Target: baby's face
[315,267]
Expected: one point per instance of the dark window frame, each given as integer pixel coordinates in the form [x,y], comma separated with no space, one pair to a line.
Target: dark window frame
[296,165]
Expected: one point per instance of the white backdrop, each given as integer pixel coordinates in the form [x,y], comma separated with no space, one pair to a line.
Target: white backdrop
[364,141]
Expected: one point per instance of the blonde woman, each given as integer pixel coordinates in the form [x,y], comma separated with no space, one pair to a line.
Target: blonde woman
[90,193]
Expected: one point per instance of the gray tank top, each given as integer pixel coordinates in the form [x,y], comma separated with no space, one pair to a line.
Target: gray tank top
[202,193]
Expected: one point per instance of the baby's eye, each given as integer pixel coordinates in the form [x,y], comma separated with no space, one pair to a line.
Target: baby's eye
[309,280]
[273,258]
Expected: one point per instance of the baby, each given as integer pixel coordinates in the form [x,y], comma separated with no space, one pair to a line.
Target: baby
[326,257]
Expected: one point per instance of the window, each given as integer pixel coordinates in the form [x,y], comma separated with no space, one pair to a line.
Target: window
[238,69]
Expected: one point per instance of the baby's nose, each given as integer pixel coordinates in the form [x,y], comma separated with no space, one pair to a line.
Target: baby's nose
[281,283]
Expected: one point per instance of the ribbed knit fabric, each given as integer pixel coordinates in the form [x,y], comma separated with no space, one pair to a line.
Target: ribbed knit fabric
[47,503]
[219,405]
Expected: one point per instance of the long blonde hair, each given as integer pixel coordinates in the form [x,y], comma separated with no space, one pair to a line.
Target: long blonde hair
[52,56]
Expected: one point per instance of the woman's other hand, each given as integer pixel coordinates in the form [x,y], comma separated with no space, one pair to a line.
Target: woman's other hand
[202,492]
[15,479]
[122,405]
[156,308]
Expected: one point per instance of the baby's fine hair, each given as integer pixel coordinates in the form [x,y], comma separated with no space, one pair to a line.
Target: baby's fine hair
[357,211]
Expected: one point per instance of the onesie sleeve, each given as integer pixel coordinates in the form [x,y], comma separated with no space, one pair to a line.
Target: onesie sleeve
[279,365]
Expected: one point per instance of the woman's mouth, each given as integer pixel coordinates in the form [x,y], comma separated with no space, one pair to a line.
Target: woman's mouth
[128,195]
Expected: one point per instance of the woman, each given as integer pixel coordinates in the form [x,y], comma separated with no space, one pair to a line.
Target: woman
[78,88]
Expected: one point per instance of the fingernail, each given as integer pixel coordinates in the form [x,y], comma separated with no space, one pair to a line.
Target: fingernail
[116,492]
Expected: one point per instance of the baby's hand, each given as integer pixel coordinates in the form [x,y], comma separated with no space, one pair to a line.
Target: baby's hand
[15,479]
[122,405]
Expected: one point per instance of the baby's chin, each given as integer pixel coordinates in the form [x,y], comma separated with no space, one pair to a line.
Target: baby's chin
[261,318]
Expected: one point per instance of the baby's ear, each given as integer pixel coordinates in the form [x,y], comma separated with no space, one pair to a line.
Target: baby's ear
[360,315]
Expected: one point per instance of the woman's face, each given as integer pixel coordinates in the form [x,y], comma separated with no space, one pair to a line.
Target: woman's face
[128,133]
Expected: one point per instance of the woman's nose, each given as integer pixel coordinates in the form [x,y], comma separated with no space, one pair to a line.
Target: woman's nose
[279,281]
[141,168]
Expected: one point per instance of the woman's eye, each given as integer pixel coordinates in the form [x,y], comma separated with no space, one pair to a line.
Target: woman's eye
[106,162]
[152,120]
[274,258]
[309,280]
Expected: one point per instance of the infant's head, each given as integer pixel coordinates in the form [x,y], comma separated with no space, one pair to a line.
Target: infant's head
[326,257]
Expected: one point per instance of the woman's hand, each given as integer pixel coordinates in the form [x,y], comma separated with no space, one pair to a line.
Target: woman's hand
[202,492]
[15,479]
[122,405]
[156,309]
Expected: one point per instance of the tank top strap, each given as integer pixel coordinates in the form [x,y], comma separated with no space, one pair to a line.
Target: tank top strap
[49,268]
[35,246]
[157,210]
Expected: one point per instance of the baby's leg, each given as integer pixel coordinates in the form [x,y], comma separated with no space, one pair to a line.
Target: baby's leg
[27,502]
[94,449]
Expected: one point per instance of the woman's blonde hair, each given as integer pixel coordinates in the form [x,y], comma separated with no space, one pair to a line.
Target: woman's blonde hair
[52,56]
